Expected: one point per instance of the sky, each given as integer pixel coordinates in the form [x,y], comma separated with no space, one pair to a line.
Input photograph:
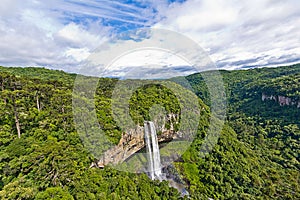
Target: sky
[235,34]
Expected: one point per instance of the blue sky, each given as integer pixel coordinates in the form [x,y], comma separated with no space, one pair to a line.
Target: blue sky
[61,34]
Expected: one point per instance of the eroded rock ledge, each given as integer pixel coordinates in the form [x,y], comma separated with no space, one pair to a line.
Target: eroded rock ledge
[133,141]
[282,100]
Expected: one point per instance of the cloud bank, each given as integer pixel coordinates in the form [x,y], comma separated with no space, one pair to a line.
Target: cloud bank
[235,33]
[240,33]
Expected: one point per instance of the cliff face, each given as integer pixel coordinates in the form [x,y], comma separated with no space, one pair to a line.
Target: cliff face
[133,141]
[282,100]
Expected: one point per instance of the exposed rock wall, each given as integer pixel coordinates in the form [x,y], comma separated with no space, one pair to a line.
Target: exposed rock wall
[282,100]
[266,97]
[133,141]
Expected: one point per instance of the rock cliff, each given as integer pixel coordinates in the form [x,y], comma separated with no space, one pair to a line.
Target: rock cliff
[133,141]
[282,100]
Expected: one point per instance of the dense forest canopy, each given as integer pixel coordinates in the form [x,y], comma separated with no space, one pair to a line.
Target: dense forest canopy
[42,155]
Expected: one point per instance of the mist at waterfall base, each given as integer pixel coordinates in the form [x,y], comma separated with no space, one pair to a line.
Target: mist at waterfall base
[154,163]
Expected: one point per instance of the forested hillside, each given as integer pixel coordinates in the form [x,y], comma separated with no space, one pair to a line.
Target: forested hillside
[267,131]
[42,156]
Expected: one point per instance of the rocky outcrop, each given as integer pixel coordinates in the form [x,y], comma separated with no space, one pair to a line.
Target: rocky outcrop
[133,141]
[266,97]
[282,100]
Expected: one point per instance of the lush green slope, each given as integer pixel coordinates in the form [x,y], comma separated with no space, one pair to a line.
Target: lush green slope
[40,73]
[257,156]
[49,160]
[267,131]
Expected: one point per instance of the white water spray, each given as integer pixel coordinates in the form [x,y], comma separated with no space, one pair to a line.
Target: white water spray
[154,165]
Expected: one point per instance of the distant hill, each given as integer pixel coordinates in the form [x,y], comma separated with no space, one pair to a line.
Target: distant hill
[40,73]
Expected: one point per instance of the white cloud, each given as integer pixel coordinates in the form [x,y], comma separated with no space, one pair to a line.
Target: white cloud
[10,7]
[201,15]
[239,32]
[78,54]
[74,35]
[146,63]
[34,35]
[147,54]
[61,34]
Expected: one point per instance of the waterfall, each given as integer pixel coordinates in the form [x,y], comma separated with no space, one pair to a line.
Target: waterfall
[154,165]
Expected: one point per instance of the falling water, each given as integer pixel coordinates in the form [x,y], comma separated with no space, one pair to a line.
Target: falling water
[149,151]
[154,165]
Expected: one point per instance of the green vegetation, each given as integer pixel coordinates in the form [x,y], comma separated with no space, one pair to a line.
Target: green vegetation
[42,155]
[257,156]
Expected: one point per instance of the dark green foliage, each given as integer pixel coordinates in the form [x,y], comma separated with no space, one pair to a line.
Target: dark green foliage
[48,161]
[146,97]
[256,157]
[259,158]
